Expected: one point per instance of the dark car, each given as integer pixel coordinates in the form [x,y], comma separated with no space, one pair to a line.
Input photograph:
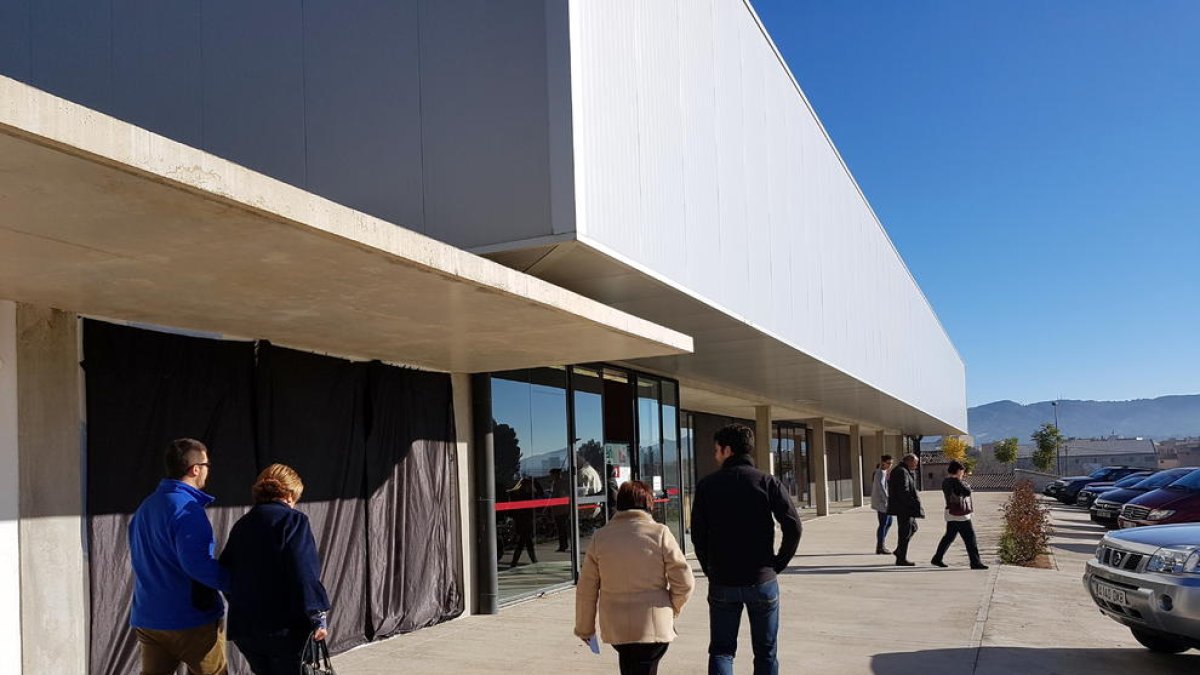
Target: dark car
[1066,489]
[1108,504]
[1178,502]
[1088,495]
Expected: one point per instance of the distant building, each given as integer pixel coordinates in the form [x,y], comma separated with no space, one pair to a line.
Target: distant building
[1174,452]
[1082,456]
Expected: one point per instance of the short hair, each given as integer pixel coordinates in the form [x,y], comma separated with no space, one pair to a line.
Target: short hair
[909,456]
[178,457]
[737,437]
[278,481]
[634,494]
[955,466]
[885,458]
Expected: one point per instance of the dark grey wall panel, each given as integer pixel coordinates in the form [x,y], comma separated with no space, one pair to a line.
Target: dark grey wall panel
[14,39]
[363,101]
[254,85]
[71,52]
[485,120]
[156,67]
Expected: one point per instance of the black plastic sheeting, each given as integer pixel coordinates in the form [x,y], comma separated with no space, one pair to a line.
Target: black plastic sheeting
[373,443]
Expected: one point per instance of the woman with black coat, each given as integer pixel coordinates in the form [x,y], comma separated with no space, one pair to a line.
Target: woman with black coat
[276,599]
[958,516]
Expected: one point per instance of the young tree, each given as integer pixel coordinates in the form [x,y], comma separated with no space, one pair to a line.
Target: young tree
[1047,439]
[954,447]
[1006,450]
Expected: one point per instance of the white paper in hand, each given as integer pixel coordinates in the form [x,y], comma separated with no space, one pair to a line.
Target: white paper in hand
[594,644]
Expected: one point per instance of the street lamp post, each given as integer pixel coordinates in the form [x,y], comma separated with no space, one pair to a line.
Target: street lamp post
[1057,457]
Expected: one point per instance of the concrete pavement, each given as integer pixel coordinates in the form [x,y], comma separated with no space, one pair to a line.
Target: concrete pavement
[844,610]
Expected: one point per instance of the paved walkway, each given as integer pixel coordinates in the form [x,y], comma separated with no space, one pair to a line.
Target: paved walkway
[845,610]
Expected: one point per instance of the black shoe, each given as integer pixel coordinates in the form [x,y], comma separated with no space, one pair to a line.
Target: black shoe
[905,563]
[937,563]
[882,551]
[979,566]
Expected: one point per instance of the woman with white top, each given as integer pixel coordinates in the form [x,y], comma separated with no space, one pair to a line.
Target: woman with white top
[958,516]
[879,502]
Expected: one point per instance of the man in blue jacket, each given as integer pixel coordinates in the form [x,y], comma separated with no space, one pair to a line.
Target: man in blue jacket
[733,531]
[176,608]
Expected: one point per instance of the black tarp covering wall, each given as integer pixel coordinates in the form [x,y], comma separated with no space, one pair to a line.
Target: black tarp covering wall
[373,444]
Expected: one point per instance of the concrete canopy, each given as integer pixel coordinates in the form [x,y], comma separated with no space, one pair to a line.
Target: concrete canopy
[736,365]
[100,217]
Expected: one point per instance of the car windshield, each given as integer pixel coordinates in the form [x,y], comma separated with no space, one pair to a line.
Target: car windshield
[1100,473]
[1130,482]
[1163,478]
[1188,482]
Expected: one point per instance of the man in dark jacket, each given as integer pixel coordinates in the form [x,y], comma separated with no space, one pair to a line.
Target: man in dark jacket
[904,502]
[733,531]
[177,612]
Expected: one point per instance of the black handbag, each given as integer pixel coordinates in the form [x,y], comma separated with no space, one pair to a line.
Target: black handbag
[314,660]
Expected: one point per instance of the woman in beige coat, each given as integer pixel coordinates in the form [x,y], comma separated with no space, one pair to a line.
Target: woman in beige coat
[636,573]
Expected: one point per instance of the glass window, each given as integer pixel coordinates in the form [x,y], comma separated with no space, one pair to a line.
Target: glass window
[592,471]
[672,481]
[529,410]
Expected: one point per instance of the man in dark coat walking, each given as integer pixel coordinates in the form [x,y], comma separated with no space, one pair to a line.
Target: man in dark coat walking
[904,502]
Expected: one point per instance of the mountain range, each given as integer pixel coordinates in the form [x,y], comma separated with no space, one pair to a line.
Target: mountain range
[1156,418]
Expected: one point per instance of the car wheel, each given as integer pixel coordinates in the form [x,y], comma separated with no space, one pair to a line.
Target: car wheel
[1157,642]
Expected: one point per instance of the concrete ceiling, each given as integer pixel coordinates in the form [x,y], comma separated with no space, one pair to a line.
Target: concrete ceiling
[734,366]
[103,218]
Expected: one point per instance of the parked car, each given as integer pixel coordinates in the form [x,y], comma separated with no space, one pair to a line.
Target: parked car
[1088,495]
[1066,489]
[1178,502]
[1149,580]
[1108,505]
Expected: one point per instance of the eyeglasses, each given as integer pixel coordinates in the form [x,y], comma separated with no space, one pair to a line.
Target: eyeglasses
[207,464]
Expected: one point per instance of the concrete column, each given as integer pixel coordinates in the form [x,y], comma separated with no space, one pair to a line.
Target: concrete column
[820,466]
[54,590]
[10,504]
[763,458]
[856,464]
[463,433]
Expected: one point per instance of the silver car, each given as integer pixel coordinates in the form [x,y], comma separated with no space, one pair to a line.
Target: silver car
[1148,578]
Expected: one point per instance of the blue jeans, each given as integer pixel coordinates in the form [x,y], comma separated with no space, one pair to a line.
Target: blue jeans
[725,615]
[885,524]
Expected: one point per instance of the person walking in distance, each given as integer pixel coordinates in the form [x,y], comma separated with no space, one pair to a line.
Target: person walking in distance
[904,502]
[958,516]
[879,502]
[733,531]
[177,611]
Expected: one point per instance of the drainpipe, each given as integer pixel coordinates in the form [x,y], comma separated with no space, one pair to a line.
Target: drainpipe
[484,464]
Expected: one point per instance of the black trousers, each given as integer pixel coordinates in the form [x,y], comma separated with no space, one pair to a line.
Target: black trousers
[524,543]
[272,657]
[562,523]
[640,658]
[967,531]
[906,527]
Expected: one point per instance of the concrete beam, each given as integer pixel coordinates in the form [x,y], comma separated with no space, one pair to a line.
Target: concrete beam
[54,588]
[820,466]
[10,504]
[856,465]
[763,458]
[141,228]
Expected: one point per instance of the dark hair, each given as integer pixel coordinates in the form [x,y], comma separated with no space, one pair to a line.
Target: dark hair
[885,458]
[955,466]
[178,458]
[737,437]
[634,494]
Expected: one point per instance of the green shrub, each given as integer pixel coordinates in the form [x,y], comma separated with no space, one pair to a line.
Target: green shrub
[1026,526]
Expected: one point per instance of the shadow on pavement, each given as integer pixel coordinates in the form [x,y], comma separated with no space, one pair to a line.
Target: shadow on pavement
[1075,548]
[1095,527]
[1090,534]
[1034,661]
[851,569]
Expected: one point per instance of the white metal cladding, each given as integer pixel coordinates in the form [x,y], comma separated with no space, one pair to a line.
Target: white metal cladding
[698,159]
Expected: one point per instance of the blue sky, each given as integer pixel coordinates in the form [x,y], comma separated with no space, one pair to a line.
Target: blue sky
[1037,165]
